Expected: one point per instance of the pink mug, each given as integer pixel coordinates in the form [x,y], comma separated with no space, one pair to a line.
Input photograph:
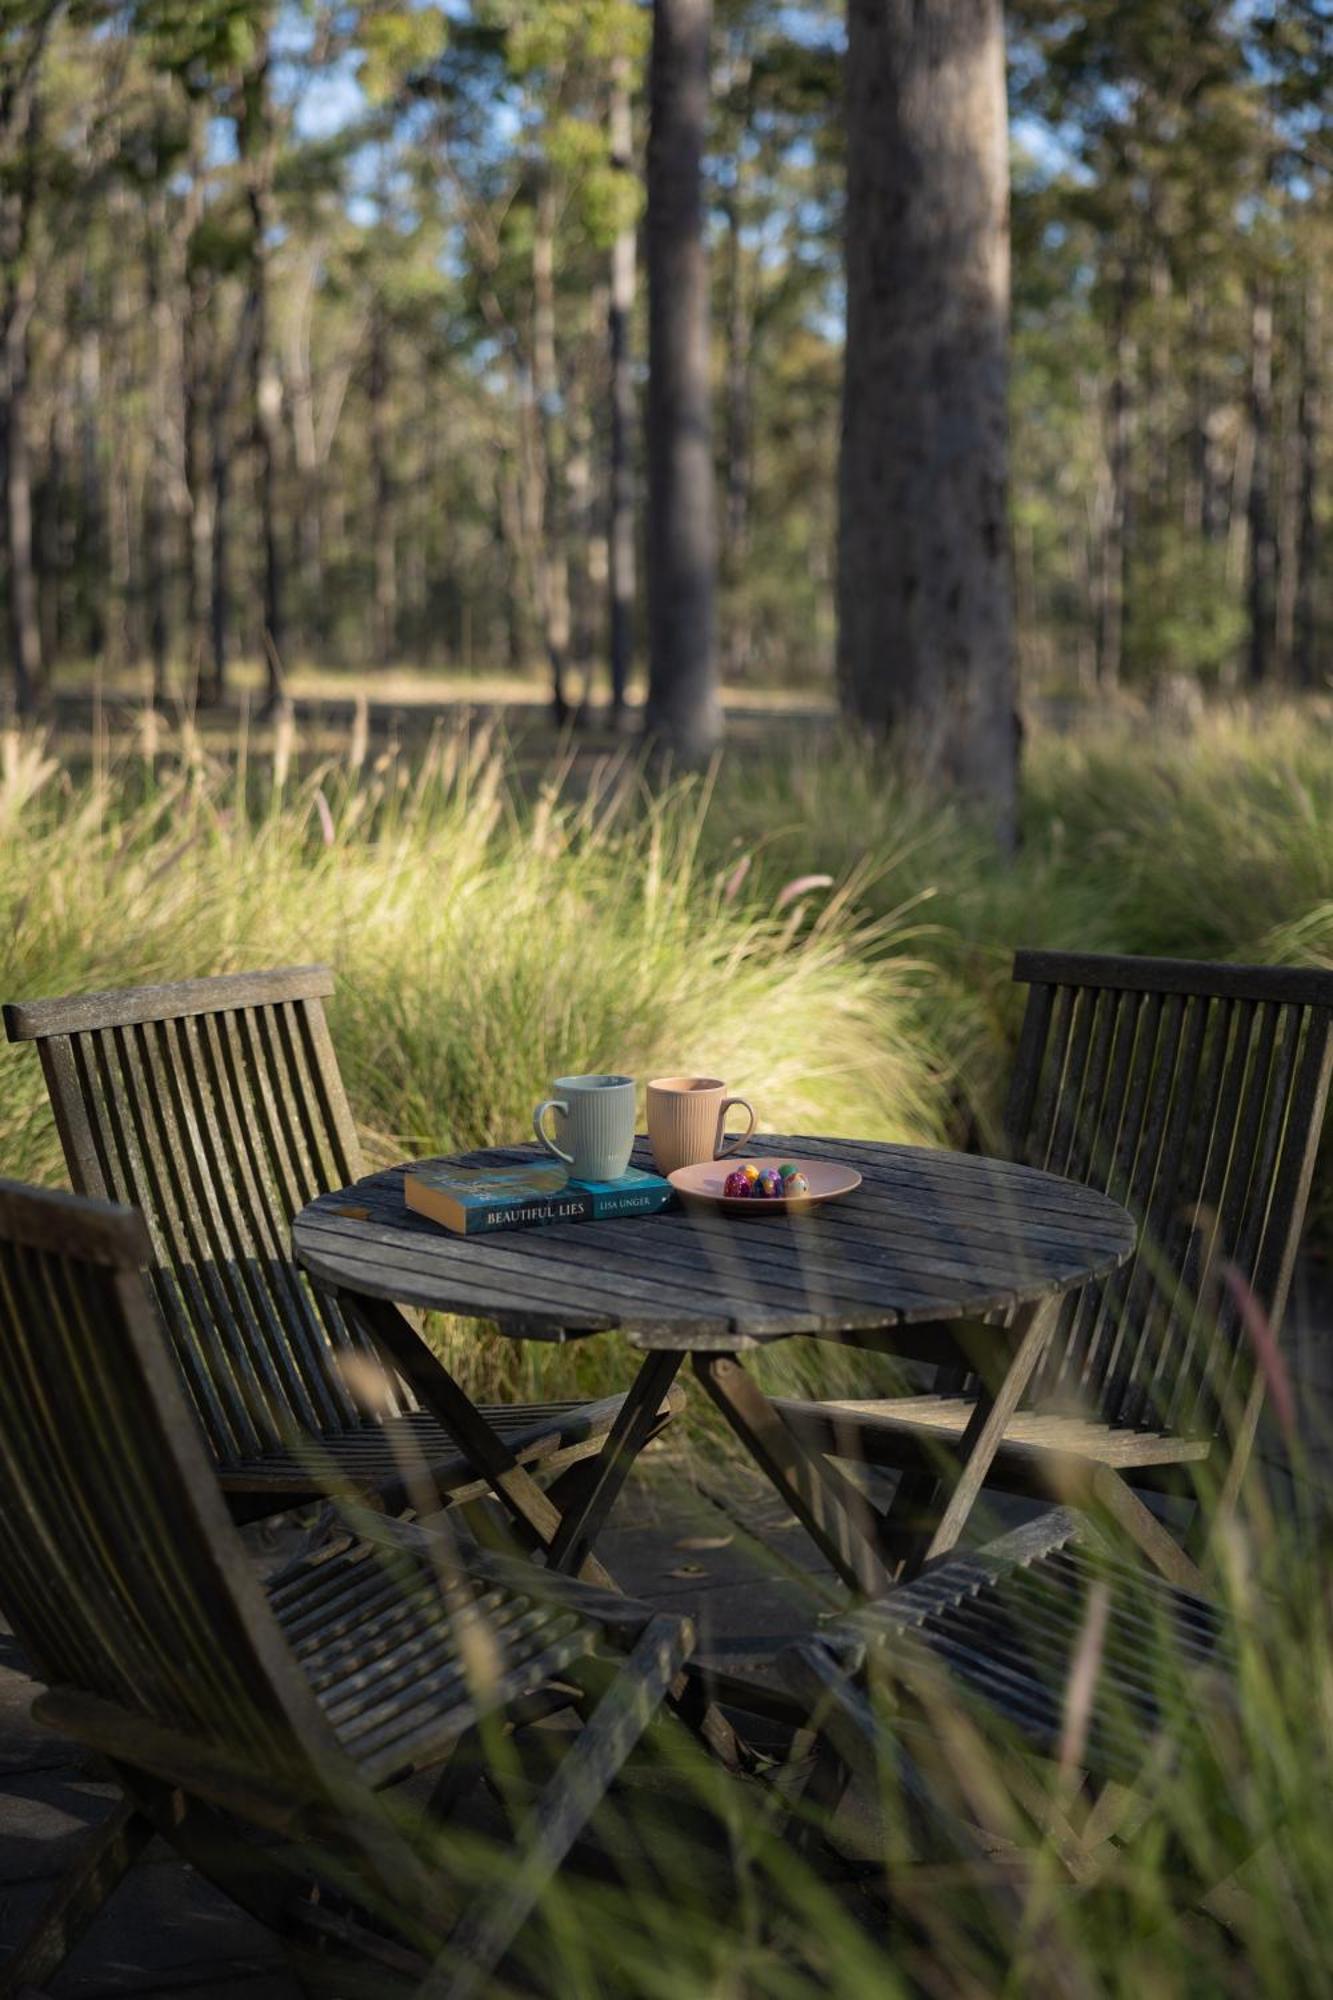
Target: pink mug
[686,1116]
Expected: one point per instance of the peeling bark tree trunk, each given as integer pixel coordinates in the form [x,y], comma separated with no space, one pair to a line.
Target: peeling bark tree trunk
[925,638]
[620,470]
[1263,552]
[683,714]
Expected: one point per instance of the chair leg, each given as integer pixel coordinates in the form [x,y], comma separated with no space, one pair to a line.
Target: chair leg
[481,1938]
[102,1864]
[1131,1514]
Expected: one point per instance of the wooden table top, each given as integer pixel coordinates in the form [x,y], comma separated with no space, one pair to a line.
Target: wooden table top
[929,1235]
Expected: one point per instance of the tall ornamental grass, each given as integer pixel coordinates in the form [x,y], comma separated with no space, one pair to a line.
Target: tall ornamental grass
[1206,839]
[481,947]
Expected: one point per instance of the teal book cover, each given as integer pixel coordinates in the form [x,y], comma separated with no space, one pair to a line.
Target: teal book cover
[468,1200]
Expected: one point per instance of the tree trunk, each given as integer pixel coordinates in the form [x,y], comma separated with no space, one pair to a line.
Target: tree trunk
[92,509]
[219,589]
[257,144]
[19,134]
[199,494]
[552,570]
[386,575]
[158,510]
[53,540]
[1205,507]
[739,397]
[1262,550]
[620,450]
[24,624]
[305,452]
[585,555]
[1157,402]
[1119,515]
[683,714]
[1308,414]
[220,441]
[925,621]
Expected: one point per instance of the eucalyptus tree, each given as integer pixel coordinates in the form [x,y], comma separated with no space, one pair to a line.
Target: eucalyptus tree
[925,638]
[684,712]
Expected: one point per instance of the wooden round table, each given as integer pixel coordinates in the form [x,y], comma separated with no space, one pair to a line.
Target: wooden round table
[929,1238]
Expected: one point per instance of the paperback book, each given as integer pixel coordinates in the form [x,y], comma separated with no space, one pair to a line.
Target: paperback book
[470,1200]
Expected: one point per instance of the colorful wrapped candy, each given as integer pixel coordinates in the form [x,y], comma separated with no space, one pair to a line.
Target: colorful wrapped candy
[765,1183]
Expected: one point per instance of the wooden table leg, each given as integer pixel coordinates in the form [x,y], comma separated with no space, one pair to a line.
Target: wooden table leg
[602,1477]
[834,1512]
[535,1515]
[987,1425]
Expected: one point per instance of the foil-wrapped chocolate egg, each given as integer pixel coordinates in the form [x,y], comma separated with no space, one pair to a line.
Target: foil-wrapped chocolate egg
[737,1185]
[796,1183]
[770,1182]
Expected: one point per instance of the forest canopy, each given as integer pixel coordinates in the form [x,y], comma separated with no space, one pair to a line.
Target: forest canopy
[310,318]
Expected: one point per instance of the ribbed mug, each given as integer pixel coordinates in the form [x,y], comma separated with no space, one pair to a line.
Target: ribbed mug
[596,1121]
[686,1116]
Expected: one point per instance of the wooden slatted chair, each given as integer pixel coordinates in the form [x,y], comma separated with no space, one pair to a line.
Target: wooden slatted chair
[1013,1635]
[1194,1094]
[257,1730]
[215,1107]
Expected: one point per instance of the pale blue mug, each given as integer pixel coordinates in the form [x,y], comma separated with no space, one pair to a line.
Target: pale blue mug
[596,1115]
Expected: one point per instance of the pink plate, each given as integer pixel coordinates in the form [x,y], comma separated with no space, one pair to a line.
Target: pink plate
[701,1186]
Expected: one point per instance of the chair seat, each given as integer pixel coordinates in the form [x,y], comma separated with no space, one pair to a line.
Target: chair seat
[402,1663]
[905,1429]
[385,1458]
[1007,1622]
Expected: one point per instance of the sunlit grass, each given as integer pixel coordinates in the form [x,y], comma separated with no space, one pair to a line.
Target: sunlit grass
[481,947]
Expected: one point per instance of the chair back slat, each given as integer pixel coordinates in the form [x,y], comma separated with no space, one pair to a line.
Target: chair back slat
[1193,1094]
[124,1577]
[216,1108]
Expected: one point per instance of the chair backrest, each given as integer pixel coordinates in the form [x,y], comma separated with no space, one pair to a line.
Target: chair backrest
[123,1574]
[1194,1094]
[215,1107]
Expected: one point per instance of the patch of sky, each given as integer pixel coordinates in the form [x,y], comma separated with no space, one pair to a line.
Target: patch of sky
[1050,151]
[813,27]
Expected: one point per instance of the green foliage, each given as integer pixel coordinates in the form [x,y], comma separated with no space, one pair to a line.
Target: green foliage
[396,40]
[1187,612]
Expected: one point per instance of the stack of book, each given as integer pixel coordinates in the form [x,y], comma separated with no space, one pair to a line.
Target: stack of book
[470,1200]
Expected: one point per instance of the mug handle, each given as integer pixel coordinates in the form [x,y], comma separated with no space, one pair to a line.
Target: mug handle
[544,1138]
[728,1144]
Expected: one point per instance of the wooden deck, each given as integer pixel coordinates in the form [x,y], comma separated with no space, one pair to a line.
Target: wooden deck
[729,1554]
